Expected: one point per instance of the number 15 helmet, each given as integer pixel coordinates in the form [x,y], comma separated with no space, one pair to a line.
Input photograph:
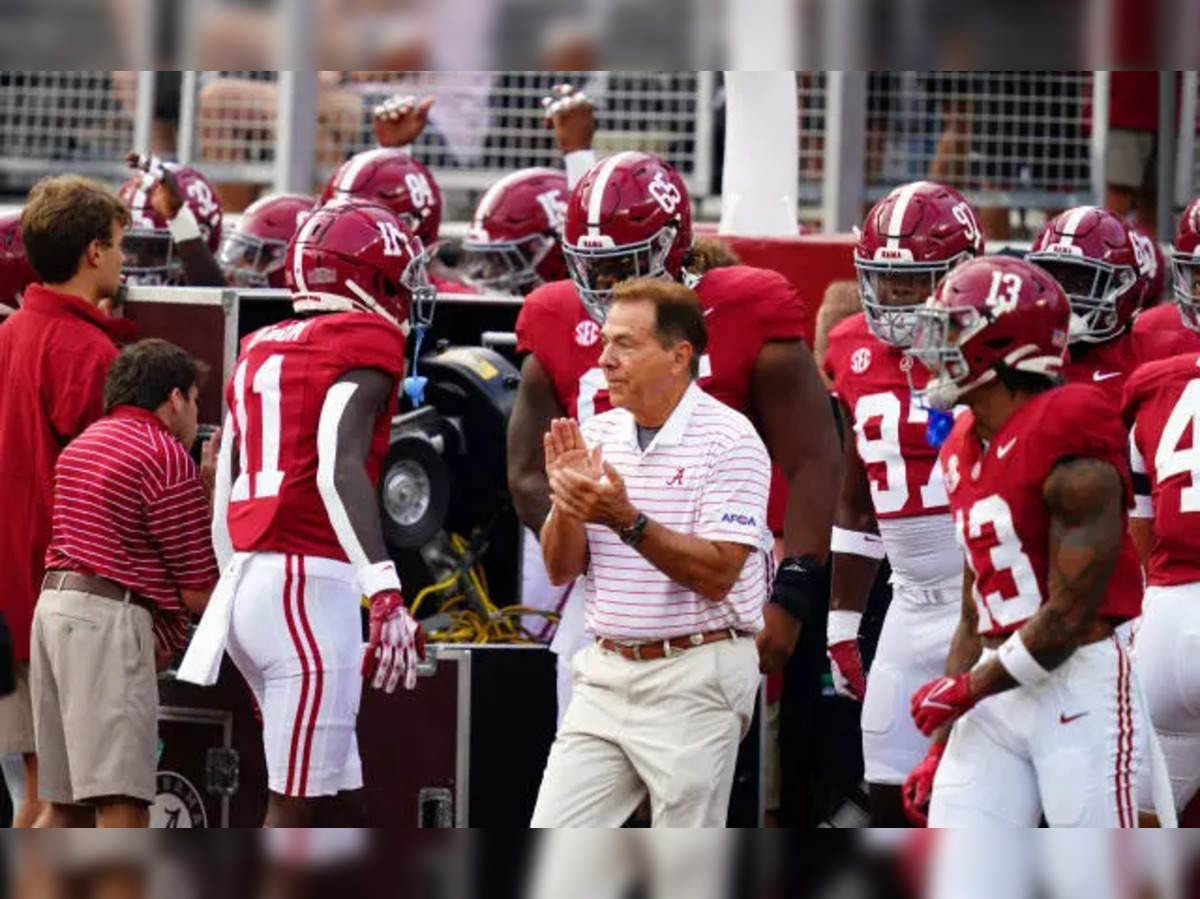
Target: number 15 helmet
[628,217]
[988,312]
[909,239]
[355,255]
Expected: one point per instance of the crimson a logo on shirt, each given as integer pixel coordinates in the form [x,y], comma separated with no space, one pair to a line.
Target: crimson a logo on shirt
[860,360]
[587,333]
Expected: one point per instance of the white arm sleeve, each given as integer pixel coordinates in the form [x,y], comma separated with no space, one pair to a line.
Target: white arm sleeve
[222,543]
[578,162]
[336,401]
[1143,505]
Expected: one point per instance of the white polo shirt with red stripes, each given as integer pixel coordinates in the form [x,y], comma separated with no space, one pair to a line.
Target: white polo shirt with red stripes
[705,473]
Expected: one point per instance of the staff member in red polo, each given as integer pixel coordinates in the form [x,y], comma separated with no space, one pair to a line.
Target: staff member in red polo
[661,505]
[130,557]
[54,353]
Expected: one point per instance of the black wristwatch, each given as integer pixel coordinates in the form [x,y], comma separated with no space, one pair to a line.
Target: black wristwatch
[632,535]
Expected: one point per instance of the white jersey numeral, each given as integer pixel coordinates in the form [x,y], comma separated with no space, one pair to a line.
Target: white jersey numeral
[885,449]
[267,480]
[1006,555]
[1169,459]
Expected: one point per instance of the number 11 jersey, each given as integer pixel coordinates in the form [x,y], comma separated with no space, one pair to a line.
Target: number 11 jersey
[275,399]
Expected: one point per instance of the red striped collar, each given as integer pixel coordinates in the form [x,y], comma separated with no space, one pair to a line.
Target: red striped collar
[137,413]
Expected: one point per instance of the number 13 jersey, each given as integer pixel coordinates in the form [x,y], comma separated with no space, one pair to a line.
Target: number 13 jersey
[275,399]
[1001,518]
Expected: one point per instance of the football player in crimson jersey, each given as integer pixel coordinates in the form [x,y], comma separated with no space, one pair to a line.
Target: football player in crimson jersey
[893,501]
[1182,317]
[1162,409]
[630,216]
[1090,253]
[15,271]
[297,523]
[1038,702]
[252,255]
[175,228]
[515,241]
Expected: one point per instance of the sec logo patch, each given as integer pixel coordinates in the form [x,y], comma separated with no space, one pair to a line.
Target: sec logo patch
[860,360]
[587,333]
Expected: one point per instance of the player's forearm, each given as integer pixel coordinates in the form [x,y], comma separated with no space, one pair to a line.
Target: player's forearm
[222,543]
[853,576]
[200,268]
[708,568]
[530,492]
[564,548]
[812,497]
[353,508]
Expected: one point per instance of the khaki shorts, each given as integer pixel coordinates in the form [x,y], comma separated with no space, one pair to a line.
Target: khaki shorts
[1131,158]
[95,697]
[16,715]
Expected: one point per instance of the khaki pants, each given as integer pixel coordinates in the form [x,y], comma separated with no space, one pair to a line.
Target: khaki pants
[95,698]
[670,727]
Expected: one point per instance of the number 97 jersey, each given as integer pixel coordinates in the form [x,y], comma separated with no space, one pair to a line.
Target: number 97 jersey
[1001,519]
[275,400]
[1162,406]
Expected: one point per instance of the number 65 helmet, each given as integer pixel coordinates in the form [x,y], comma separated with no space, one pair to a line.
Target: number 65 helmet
[909,239]
[628,217]
[988,313]
[352,255]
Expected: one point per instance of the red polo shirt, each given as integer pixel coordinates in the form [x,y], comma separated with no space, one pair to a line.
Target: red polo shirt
[54,355]
[129,506]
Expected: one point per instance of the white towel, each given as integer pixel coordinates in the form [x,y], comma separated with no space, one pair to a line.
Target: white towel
[202,662]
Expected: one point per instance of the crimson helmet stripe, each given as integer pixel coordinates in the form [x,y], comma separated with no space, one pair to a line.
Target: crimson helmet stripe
[596,199]
[895,225]
[355,166]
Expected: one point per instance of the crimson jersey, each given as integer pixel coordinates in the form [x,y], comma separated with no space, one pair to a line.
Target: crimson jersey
[1000,516]
[1108,365]
[744,308]
[1162,404]
[275,399]
[870,379]
[1164,322]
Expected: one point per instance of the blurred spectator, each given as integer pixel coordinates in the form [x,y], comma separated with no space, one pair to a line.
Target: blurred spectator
[54,354]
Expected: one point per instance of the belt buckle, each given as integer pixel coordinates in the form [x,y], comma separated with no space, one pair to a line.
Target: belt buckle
[696,639]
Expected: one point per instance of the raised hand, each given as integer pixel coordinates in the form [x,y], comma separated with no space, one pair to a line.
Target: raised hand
[399,120]
[571,114]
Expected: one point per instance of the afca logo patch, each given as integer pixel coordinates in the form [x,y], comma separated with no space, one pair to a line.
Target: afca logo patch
[735,518]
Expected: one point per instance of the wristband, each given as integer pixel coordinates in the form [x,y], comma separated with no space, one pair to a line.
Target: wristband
[856,543]
[578,162]
[376,577]
[800,586]
[184,227]
[1020,663]
[843,626]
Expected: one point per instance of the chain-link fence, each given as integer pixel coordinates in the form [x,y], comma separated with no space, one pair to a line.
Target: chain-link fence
[1009,139]
[58,121]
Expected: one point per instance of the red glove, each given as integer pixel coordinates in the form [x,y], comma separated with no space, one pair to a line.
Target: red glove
[846,667]
[395,645]
[918,786]
[941,701]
